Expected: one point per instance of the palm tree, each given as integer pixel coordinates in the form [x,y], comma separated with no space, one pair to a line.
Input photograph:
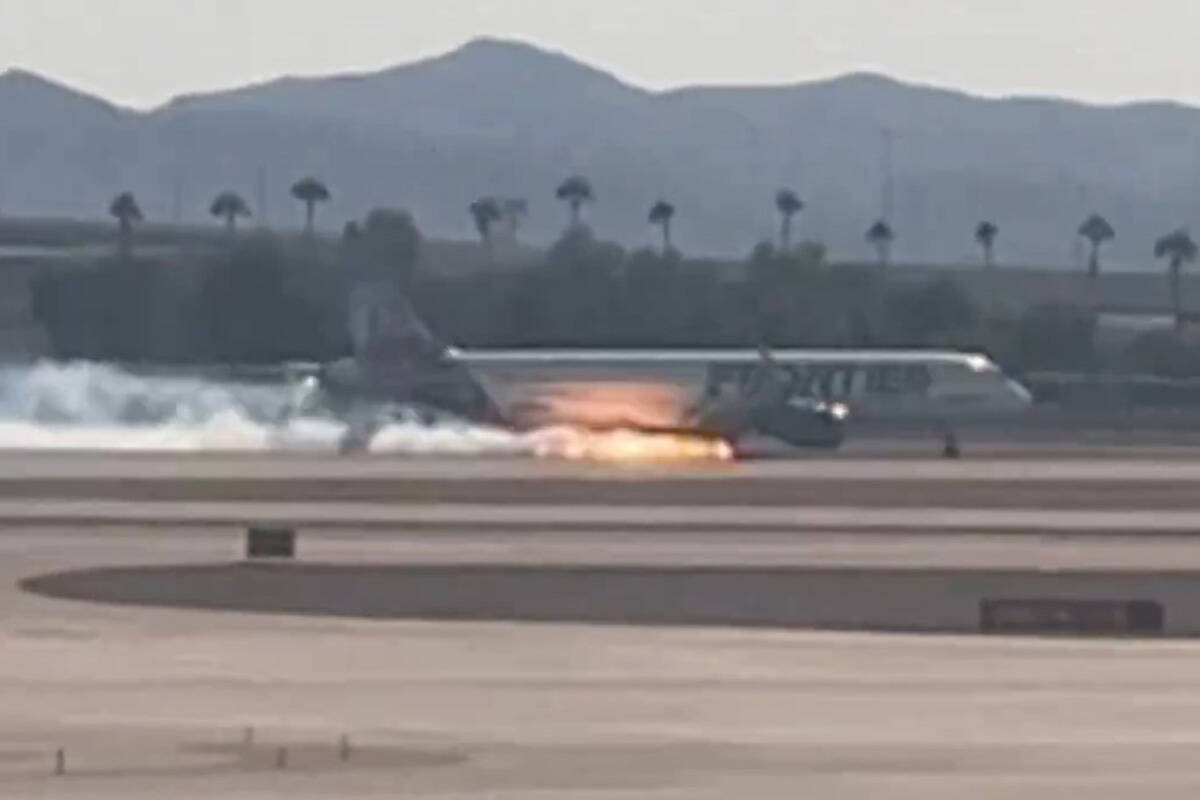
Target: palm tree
[125,208]
[1097,231]
[661,214]
[788,205]
[576,191]
[229,206]
[985,237]
[1179,249]
[485,212]
[514,211]
[310,191]
[880,236]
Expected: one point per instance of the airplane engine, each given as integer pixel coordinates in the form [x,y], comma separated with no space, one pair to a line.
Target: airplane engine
[803,422]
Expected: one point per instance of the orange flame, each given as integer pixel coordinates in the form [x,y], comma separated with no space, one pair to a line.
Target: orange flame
[629,446]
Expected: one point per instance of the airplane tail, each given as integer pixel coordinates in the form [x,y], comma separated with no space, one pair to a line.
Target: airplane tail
[401,359]
[384,327]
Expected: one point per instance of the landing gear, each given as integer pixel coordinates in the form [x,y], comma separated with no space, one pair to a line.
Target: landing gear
[360,430]
[950,447]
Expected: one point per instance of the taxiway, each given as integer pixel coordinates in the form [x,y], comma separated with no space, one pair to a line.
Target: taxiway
[147,699]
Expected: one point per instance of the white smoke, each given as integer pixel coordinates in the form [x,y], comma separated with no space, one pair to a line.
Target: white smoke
[88,406]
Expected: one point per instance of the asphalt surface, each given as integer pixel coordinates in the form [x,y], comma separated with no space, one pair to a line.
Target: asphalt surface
[148,700]
[1154,480]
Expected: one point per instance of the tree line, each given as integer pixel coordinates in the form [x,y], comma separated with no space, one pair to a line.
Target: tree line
[1177,248]
[264,299]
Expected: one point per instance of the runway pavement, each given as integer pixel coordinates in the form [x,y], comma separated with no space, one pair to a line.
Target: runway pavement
[760,543]
[1151,482]
[148,700]
[156,702]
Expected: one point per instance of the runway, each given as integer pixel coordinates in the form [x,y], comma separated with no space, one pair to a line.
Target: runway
[1150,481]
[478,701]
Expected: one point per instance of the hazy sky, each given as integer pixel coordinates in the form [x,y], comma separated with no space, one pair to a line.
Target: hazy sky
[140,52]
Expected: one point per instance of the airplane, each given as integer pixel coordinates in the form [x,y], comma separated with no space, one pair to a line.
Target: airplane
[803,398]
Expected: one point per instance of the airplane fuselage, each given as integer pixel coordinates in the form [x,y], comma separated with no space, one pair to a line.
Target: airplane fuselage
[678,388]
[802,397]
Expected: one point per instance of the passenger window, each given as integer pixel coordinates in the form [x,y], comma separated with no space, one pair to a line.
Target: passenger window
[917,379]
[822,381]
[884,379]
[858,383]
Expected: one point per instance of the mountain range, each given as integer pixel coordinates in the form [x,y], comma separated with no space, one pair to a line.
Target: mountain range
[511,120]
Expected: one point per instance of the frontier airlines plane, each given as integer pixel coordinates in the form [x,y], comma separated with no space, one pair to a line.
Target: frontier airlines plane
[802,397]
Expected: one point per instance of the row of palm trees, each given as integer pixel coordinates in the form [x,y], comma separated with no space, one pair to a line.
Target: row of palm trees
[1177,246]
[577,192]
[227,205]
